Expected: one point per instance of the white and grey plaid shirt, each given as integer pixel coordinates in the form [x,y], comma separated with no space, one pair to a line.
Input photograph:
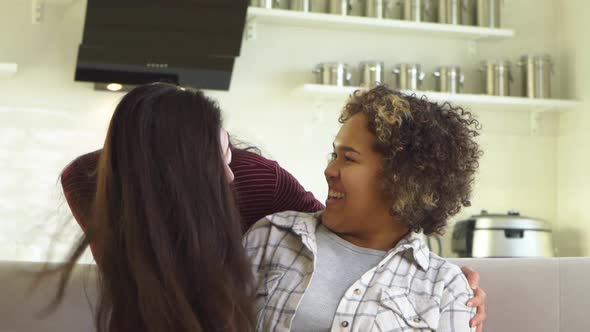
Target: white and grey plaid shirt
[410,289]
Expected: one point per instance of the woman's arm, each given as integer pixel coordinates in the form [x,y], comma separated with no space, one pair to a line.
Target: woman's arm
[78,181]
[291,196]
[455,314]
[479,299]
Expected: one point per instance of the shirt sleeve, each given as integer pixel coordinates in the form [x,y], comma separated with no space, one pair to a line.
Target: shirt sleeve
[78,181]
[291,196]
[455,314]
[254,241]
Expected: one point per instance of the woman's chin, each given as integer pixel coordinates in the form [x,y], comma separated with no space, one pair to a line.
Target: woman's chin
[330,219]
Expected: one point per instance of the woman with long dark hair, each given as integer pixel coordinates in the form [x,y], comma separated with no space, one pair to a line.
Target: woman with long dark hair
[168,250]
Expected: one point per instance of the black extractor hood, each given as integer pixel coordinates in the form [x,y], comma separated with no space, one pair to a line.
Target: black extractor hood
[188,42]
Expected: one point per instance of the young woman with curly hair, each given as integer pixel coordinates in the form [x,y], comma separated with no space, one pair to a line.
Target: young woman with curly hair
[400,164]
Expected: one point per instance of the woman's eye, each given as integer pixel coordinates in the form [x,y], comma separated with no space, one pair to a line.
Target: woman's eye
[333,156]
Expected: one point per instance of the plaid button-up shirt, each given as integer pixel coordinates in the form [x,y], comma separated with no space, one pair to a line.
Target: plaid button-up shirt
[411,289]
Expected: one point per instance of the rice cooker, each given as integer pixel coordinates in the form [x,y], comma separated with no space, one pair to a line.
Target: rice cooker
[502,235]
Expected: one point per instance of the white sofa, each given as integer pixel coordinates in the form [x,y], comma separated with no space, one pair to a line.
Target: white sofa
[541,295]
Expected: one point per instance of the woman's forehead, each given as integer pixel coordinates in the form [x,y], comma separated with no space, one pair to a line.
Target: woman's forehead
[355,133]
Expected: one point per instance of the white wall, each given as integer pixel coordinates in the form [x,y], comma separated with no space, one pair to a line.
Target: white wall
[574,134]
[46,119]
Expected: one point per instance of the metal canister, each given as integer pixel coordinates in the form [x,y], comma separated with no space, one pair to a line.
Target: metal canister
[333,73]
[374,8]
[300,5]
[449,11]
[536,75]
[270,4]
[413,10]
[392,9]
[469,15]
[313,6]
[449,79]
[356,7]
[408,76]
[318,6]
[347,7]
[338,7]
[496,77]
[430,11]
[420,10]
[372,72]
[488,13]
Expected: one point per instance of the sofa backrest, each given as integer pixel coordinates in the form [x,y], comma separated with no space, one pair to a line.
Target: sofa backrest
[541,295]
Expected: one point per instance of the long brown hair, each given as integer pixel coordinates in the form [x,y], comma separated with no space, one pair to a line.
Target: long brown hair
[164,227]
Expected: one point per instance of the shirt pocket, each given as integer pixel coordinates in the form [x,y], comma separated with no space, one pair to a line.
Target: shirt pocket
[266,299]
[268,282]
[409,312]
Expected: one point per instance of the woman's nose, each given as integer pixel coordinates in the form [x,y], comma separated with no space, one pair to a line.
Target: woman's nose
[332,170]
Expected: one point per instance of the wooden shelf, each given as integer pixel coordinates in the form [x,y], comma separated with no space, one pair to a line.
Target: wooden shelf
[330,21]
[473,101]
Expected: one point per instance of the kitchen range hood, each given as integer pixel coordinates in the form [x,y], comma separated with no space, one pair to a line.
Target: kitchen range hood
[188,42]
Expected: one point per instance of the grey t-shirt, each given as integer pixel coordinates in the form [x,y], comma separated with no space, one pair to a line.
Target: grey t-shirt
[339,264]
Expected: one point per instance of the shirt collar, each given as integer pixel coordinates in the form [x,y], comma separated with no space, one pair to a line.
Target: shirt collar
[304,225]
[301,223]
[415,246]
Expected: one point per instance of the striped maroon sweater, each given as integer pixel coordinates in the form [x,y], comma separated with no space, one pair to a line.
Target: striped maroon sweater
[261,186]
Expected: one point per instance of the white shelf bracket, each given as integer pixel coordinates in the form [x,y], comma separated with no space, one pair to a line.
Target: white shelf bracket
[535,121]
[472,48]
[250,31]
[318,111]
[37,11]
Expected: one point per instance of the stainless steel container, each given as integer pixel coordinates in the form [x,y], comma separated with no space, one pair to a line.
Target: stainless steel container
[347,7]
[339,7]
[392,9]
[374,8]
[372,72]
[469,15]
[488,13]
[408,76]
[333,73]
[430,10]
[314,6]
[356,7]
[536,75]
[449,79]
[413,10]
[420,10]
[502,235]
[496,77]
[270,4]
[450,11]
[300,5]
[320,6]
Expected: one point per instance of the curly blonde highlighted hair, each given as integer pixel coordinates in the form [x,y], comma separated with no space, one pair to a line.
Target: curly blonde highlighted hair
[429,152]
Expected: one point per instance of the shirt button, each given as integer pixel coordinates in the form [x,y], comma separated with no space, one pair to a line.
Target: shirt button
[344,324]
[417,320]
[357,292]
